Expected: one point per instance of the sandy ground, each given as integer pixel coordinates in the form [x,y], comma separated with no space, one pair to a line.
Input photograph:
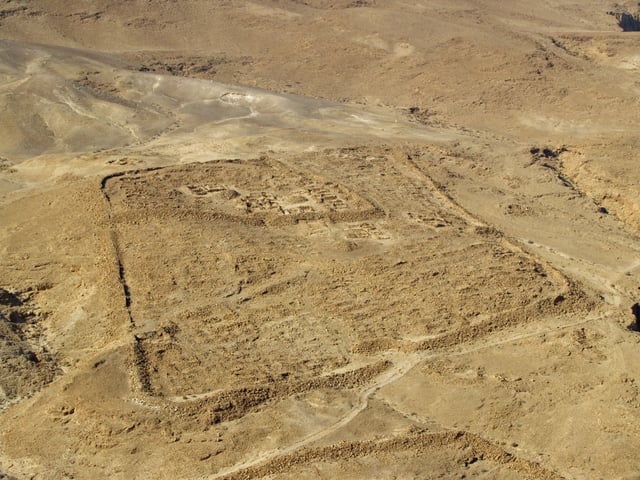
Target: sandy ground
[318,239]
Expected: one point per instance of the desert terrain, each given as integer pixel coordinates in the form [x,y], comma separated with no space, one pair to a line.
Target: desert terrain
[319,239]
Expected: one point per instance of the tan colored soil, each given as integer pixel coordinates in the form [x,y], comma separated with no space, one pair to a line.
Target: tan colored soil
[318,239]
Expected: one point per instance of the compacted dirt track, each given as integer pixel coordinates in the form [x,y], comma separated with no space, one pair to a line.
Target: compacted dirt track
[225,253]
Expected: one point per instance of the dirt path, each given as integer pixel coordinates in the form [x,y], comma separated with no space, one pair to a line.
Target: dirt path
[402,365]
[471,242]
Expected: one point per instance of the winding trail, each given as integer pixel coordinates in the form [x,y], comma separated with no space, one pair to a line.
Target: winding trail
[401,362]
[402,365]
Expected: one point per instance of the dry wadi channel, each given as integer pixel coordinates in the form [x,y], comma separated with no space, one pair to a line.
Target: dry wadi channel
[319,239]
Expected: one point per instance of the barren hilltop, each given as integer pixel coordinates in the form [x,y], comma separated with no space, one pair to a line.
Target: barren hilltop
[319,239]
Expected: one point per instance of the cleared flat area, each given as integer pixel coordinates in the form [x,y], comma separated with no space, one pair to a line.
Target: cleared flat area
[318,239]
[309,276]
